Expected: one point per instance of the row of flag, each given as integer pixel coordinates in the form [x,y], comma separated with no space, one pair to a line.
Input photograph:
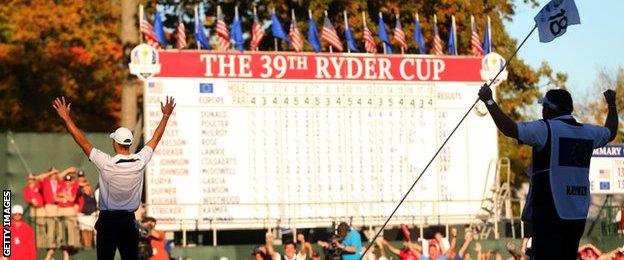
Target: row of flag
[155,35]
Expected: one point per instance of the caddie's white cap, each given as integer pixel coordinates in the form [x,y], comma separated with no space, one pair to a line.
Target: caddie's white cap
[17,209]
[122,136]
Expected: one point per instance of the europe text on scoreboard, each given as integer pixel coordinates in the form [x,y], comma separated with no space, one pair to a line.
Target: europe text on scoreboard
[261,138]
[606,172]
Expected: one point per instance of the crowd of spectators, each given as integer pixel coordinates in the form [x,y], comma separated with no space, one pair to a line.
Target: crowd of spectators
[62,207]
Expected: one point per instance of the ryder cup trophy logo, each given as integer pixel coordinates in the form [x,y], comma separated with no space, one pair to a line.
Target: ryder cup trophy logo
[491,64]
[144,61]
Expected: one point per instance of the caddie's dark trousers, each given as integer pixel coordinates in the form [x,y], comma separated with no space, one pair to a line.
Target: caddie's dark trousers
[553,237]
[117,230]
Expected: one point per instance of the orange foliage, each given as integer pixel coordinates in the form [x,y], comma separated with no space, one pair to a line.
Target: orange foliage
[53,48]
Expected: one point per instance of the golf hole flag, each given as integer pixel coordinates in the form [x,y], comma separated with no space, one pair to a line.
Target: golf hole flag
[553,20]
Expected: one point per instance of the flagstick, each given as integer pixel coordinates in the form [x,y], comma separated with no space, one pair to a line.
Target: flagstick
[346,28]
[444,143]
[383,42]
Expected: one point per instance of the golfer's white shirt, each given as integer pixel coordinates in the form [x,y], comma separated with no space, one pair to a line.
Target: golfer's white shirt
[121,178]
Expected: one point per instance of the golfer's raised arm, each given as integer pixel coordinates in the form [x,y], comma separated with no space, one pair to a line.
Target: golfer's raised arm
[612,120]
[507,126]
[166,109]
[63,108]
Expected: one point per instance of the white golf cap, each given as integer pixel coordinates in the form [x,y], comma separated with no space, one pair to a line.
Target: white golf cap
[17,209]
[122,136]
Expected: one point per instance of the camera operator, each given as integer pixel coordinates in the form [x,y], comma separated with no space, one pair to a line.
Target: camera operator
[151,241]
[346,245]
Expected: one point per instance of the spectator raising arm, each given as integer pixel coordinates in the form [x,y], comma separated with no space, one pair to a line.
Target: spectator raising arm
[63,108]
[612,120]
[166,109]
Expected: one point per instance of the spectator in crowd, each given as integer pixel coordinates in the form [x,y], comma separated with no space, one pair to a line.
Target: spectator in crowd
[434,250]
[32,193]
[305,248]
[157,240]
[87,210]
[266,251]
[22,236]
[270,252]
[51,183]
[409,250]
[351,242]
[290,252]
[461,254]
[589,252]
[67,204]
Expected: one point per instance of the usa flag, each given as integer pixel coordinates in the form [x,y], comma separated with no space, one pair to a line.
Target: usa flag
[399,35]
[475,43]
[148,32]
[329,34]
[437,42]
[181,35]
[369,42]
[222,32]
[295,35]
[257,33]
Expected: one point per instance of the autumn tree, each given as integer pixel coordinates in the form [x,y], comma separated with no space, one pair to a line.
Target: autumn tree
[54,48]
[595,110]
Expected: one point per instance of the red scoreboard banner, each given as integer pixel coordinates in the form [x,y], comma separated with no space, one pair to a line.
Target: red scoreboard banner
[319,66]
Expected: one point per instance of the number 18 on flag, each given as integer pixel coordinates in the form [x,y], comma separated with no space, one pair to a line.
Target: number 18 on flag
[553,20]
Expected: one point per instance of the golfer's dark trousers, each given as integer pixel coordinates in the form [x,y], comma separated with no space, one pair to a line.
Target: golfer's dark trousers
[117,230]
[553,237]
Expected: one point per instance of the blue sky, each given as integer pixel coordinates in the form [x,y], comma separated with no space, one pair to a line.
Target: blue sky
[585,49]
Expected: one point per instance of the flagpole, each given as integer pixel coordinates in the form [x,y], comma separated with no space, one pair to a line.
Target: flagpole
[274,38]
[383,42]
[218,15]
[196,9]
[346,28]
[454,34]
[140,21]
[255,15]
[293,22]
[435,31]
[331,50]
[489,34]
[402,49]
[472,31]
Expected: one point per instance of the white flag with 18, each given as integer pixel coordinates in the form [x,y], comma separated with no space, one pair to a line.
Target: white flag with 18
[553,20]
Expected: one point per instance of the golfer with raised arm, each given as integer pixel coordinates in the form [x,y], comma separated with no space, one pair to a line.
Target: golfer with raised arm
[558,198]
[120,181]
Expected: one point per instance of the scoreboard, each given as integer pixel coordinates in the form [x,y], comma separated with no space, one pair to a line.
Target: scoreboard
[606,171]
[303,139]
